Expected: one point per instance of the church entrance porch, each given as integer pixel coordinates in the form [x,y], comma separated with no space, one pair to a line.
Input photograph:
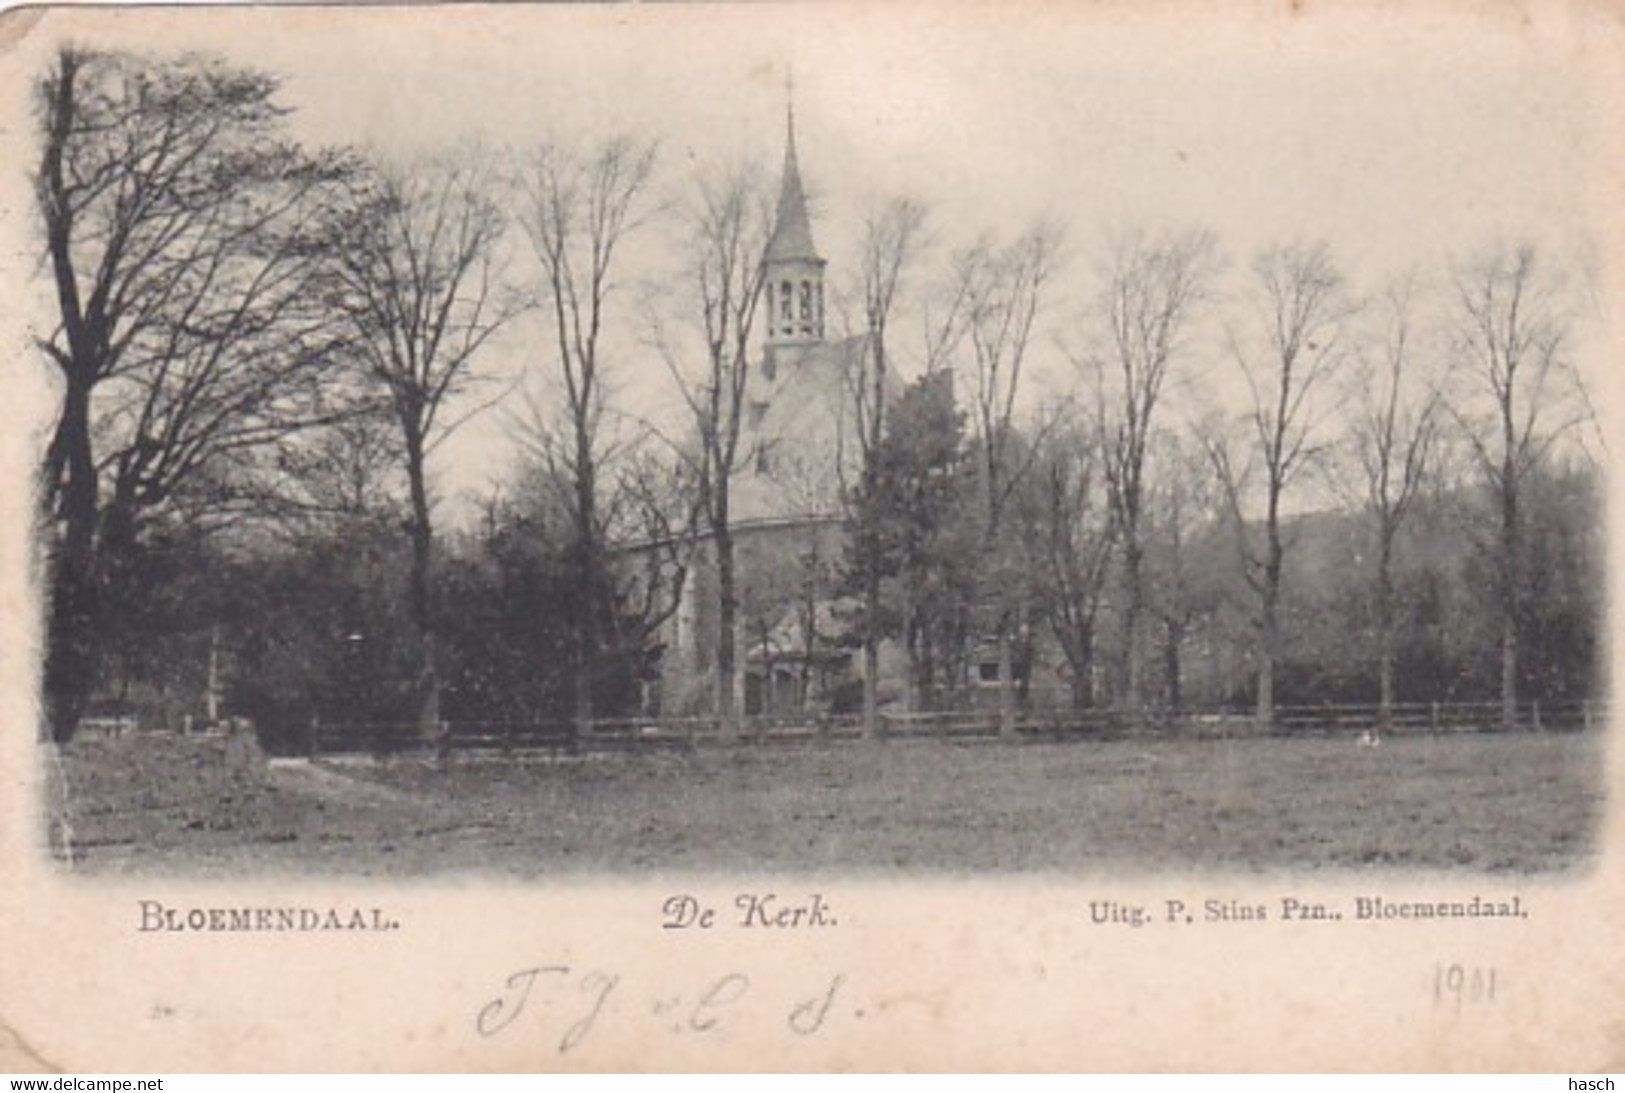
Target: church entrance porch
[796,683]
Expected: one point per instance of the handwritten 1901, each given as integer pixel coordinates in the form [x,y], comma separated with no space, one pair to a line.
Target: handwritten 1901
[584,997]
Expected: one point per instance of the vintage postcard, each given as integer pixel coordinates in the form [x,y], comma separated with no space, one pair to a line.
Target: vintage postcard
[809,537]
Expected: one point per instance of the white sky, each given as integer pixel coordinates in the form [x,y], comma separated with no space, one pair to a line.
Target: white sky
[1399,136]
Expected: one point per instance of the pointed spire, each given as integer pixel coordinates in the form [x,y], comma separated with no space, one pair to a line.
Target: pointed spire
[792,231]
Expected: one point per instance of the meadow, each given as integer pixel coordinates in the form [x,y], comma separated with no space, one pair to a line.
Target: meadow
[1461,804]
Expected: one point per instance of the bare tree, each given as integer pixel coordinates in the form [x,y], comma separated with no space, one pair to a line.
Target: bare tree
[1150,293]
[998,291]
[1075,539]
[578,210]
[1396,411]
[423,293]
[653,507]
[893,237]
[347,472]
[1181,506]
[1513,332]
[185,239]
[729,223]
[1287,364]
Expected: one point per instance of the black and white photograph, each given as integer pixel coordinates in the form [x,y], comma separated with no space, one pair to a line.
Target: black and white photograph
[991,504]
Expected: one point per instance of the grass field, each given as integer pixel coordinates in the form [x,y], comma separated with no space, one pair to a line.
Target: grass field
[1463,804]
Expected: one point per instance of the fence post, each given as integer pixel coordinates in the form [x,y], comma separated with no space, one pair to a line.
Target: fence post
[1433,718]
[1585,714]
[310,742]
[1534,709]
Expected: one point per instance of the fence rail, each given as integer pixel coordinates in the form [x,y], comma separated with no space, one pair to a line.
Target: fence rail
[1436,717]
[565,737]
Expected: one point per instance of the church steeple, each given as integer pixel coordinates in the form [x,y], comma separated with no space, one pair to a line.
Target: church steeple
[794,272]
[792,232]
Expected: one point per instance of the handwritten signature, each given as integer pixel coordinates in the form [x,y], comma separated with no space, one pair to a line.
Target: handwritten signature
[587,995]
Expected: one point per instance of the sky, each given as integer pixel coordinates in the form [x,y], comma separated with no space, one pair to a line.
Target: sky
[1400,136]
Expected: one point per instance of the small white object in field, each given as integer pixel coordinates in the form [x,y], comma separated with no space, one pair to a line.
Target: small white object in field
[1370,739]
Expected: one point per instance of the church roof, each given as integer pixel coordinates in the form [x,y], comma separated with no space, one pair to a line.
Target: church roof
[792,231]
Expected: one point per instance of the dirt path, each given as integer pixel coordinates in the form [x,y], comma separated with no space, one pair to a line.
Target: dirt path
[317,780]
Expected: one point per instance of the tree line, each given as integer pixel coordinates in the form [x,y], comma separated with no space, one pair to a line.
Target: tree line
[259,350]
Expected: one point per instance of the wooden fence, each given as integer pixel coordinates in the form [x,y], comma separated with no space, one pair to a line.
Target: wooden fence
[649,735]
[1435,717]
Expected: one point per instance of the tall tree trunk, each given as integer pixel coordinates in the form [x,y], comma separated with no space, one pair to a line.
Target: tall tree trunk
[1080,654]
[73,649]
[1270,635]
[587,583]
[871,677]
[1082,695]
[213,690]
[911,645]
[1265,713]
[1173,641]
[1022,660]
[1007,696]
[1509,674]
[1510,605]
[1385,632]
[727,626]
[871,650]
[928,670]
[1270,621]
[809,625]
[421,601]
[871,581]
[1133,611]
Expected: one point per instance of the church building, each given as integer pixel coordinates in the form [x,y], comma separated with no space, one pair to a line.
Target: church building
[798,451]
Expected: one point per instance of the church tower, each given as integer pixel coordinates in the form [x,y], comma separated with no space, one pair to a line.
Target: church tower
[794,273]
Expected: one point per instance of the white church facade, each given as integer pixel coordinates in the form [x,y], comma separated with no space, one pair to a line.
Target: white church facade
[798,451]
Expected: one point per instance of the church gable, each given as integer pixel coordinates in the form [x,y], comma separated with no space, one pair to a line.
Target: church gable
[800,438]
